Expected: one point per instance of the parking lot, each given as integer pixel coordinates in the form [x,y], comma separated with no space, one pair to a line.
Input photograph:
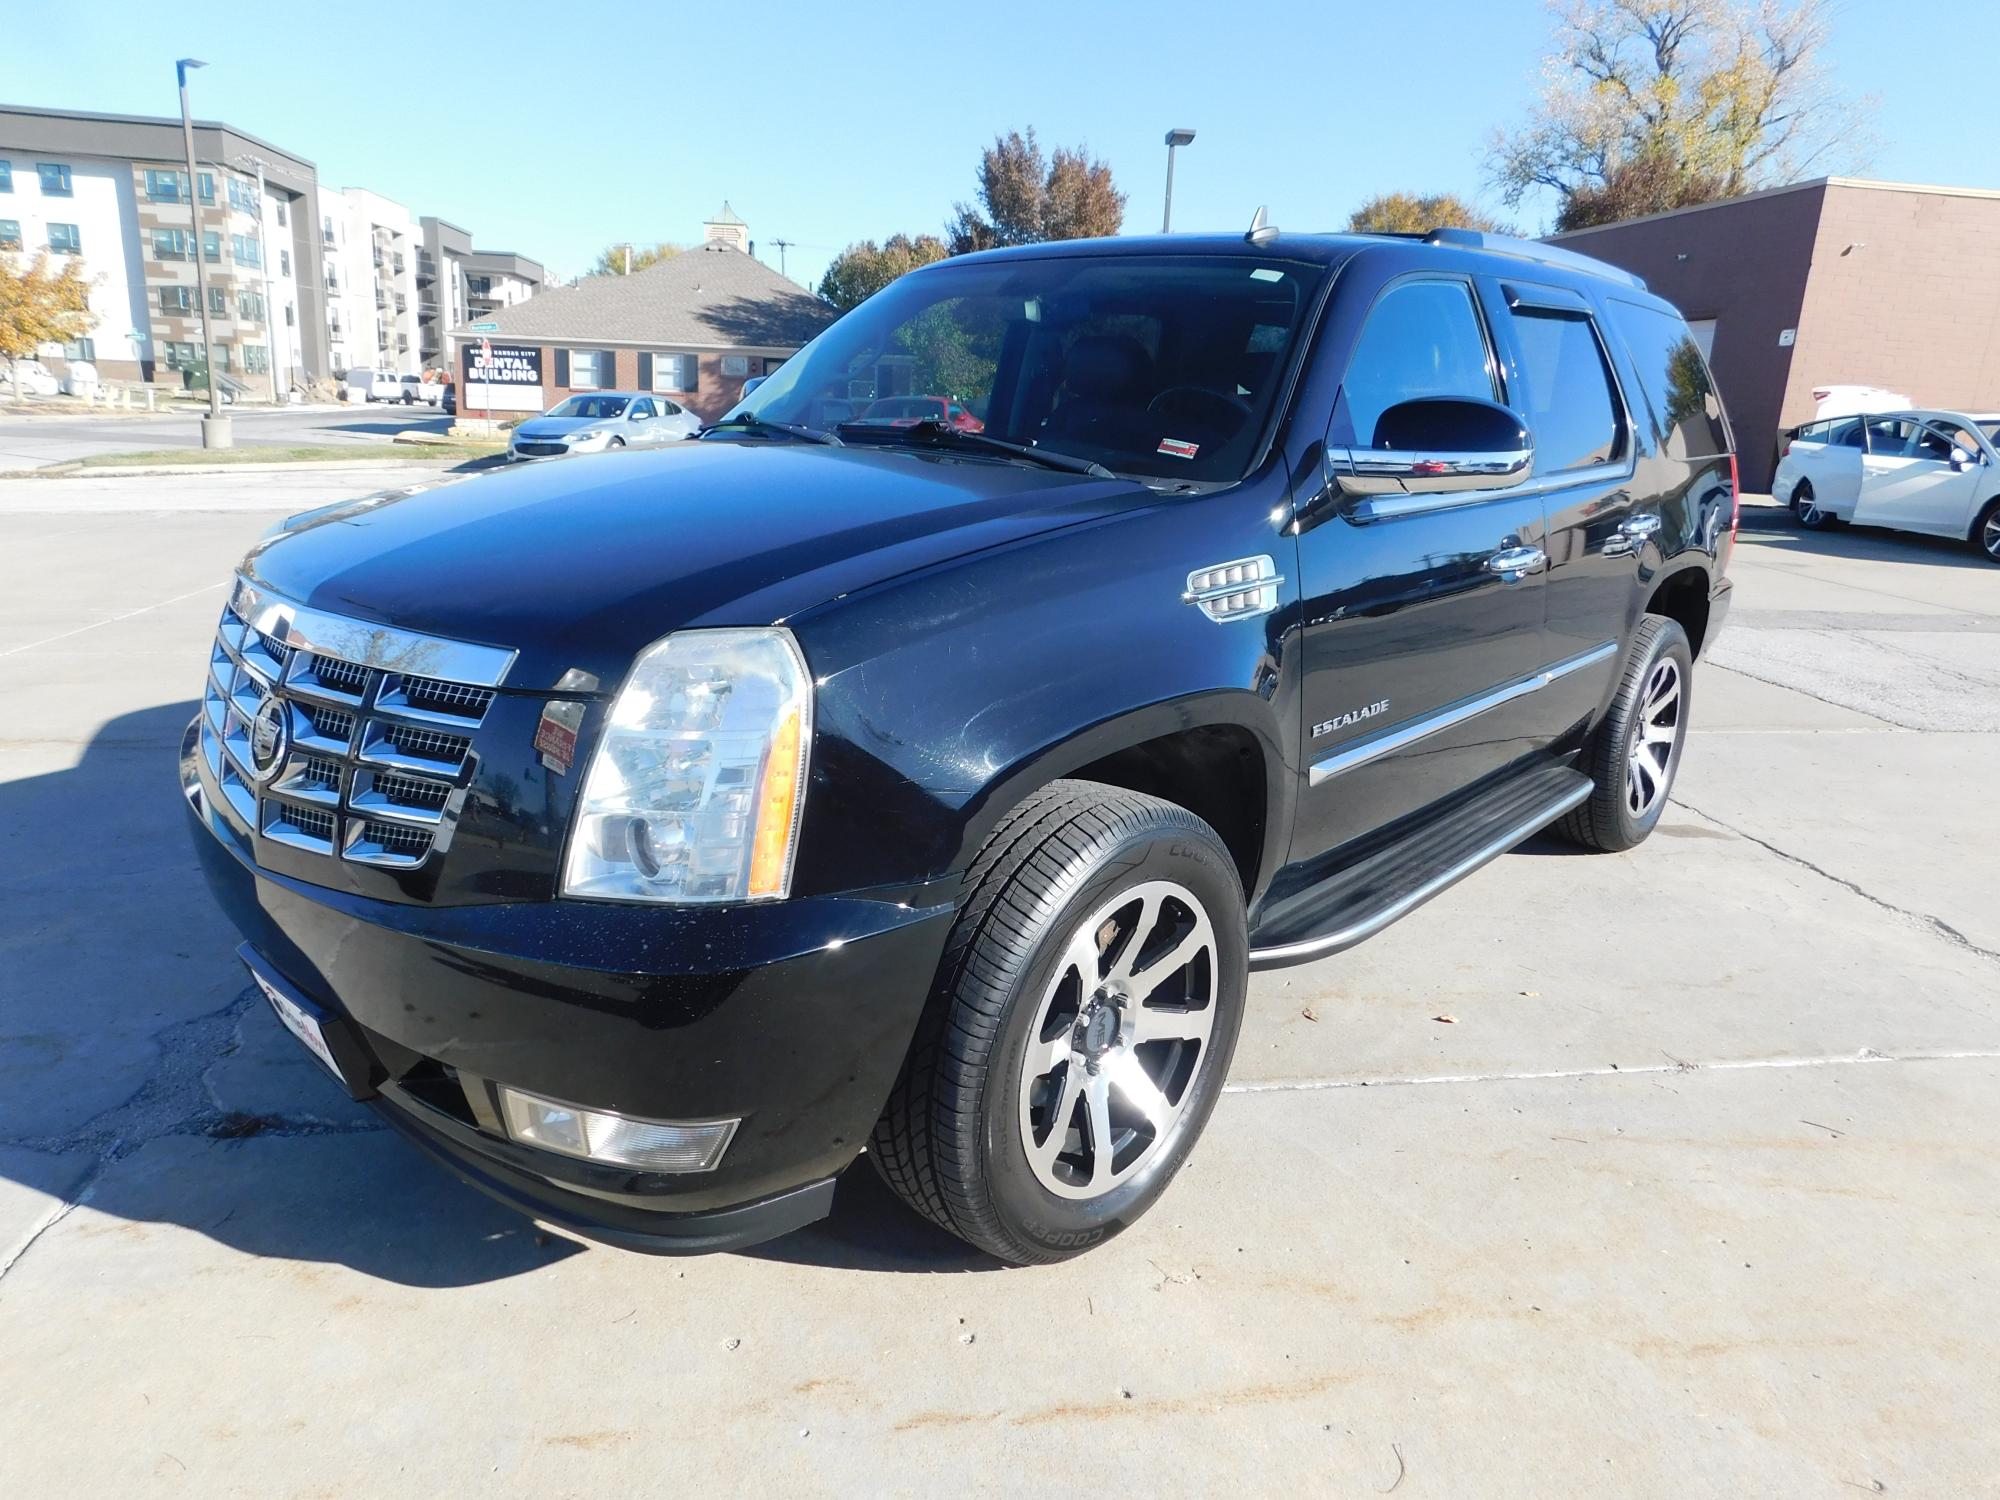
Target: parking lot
[1669,1173]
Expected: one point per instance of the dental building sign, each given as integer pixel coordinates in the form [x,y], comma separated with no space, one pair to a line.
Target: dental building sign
[500,377]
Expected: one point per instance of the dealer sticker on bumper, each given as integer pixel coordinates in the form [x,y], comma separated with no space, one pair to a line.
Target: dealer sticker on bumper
[301,1023]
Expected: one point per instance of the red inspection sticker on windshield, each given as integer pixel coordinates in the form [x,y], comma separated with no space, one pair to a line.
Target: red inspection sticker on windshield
[1176,448]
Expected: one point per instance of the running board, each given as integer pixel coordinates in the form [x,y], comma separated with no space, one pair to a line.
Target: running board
[1358,902]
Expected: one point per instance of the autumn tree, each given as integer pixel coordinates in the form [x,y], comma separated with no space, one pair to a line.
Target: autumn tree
[622,260]
[1026,196]
[1655,104]
[40,305]
[1414,213]
[862,270]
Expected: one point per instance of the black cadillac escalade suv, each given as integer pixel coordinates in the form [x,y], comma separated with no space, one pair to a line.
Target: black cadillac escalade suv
[647,835]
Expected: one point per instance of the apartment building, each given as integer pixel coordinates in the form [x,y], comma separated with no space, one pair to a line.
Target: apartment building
[303,280]
[499,278]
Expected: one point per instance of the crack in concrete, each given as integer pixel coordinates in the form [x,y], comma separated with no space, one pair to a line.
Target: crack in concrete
[1611,1070]
[173,1099]
[1936,926]
[1793,687]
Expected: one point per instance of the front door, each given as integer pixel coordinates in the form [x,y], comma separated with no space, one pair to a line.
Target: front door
[1420,614]
[1908,479]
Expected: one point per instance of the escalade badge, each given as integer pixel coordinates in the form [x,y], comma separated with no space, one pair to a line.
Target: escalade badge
[1352,716]
[270,738]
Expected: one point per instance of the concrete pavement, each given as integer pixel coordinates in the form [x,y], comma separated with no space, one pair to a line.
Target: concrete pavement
[1667,1173]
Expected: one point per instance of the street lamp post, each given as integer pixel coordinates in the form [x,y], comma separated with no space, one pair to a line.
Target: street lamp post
[1175,138]
[214,426]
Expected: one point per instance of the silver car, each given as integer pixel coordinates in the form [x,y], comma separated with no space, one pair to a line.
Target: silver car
[600,421]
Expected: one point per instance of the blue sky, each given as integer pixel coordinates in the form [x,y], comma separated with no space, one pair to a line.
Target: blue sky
[825,123]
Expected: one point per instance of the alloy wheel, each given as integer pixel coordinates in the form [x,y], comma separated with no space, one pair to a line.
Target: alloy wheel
[1989,536]
[1655,734]
[1120,1033]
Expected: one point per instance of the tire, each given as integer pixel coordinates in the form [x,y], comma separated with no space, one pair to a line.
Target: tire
[1634,777]
[989,1131]
[616,442]
[1808,514]
[1986,532]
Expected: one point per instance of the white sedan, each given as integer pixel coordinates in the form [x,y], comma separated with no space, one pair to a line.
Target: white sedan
[1931,471]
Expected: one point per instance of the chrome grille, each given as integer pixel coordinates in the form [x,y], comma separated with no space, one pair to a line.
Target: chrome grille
[374,760]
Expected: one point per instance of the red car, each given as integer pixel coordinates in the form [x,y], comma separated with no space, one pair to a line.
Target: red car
[907,411]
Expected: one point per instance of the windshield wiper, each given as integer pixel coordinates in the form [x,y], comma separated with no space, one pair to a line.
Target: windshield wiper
[933,432]
[797,430]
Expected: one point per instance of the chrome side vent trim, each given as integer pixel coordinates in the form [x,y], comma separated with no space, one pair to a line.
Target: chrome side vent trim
[1238,590]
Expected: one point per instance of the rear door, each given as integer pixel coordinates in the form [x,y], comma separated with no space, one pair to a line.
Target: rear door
[1909,481]
[1564,384]
[1412,636]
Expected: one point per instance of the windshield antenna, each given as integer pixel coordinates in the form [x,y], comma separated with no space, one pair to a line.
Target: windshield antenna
[1260,229]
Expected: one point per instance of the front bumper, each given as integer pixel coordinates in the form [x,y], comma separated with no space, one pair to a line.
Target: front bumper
[792,1016]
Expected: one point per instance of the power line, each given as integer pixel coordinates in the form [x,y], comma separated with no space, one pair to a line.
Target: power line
[783,246]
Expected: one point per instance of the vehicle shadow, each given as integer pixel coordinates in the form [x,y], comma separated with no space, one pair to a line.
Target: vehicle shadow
[1865,543]
[142,1075]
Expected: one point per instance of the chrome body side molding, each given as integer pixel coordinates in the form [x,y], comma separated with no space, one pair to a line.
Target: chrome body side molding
[1405,735]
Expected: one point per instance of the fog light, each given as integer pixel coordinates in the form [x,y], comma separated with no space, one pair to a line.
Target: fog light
[600,1135]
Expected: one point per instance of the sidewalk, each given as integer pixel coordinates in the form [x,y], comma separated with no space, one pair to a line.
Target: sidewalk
[288,487]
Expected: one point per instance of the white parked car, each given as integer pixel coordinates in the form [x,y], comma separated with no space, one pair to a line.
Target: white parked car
[602,420]
[33,378]
[1931,471]
[414,389]
[1856,400]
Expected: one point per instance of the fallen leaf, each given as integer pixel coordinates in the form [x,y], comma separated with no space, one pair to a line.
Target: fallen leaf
[1532,994]
[1308,1014]
[1448,1020]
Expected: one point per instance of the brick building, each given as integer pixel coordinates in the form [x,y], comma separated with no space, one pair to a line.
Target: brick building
[1834,281]
[692,327]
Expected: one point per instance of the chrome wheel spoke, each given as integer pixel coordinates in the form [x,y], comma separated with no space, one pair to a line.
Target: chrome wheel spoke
[1172,1023]
[1179,957]
[1043,1156]
[1135,1085]
[1097,1112]
[1142,928]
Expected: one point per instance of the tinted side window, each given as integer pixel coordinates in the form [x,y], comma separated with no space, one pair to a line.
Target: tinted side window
[1423,338]
[1567,399]
[1846,434]
[1686,412]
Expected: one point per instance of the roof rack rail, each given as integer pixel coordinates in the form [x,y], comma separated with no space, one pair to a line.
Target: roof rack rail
[1535,250]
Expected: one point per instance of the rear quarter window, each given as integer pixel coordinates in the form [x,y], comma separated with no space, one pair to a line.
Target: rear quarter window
[1687,413]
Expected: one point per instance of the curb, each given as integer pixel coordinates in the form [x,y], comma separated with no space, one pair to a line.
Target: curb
[133,471]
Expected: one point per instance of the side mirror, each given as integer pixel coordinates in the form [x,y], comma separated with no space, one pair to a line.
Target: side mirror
[1960,460]
[1437,445]
[641,416]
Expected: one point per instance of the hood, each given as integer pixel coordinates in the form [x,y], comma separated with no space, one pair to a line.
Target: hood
[554,427]
[584,563]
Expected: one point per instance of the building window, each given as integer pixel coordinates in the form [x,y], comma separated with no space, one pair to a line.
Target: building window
[81,349]
[65,240]
[676,372]
[284,262]
[55,179]
[243,196]
[10,234]
[326,230]
[179,356]
[222,358]
[164,186]
[218,304]
[205,185]
[589,369]
[250,306]
[176,299]
[256,361]
[170,244]
[288,315]
[211,245]
[244,248]
[281,213]
[6,177]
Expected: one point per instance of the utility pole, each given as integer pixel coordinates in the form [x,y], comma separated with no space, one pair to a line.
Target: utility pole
[1175,138]
[783,246]
[214,426]
[270,302]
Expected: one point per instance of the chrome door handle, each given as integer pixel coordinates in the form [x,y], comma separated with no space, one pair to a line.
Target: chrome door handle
[1515,563]
[1630,534]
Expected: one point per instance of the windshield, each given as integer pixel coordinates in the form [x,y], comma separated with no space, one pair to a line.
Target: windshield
[596,408]
[1162,366]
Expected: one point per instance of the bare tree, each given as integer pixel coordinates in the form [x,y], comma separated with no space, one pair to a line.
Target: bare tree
[1651,104]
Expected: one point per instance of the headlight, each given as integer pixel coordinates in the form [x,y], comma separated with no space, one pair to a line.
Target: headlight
[696,785]
[587,439]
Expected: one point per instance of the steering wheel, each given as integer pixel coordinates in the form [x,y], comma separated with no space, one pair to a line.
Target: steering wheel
[1233,405]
